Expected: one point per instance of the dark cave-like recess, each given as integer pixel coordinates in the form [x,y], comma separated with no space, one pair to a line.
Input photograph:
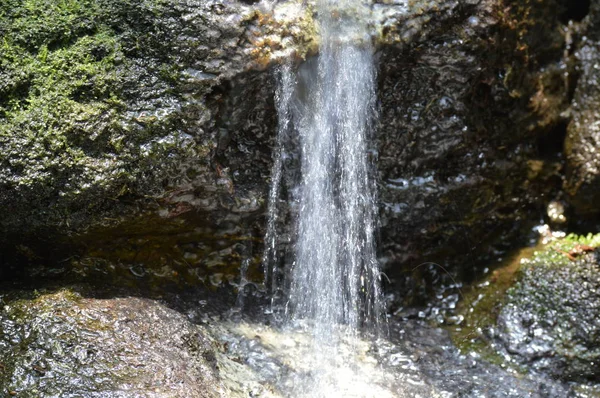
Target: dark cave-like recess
[575,10]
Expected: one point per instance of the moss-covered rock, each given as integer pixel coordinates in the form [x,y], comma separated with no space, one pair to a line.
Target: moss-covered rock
[110,111]
[550,319]
[105,101]
[71,134]
[62,344]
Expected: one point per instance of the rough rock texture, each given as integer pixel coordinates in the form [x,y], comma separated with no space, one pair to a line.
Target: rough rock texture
[582,145]
[550,321]
[139,134]
[460,375]
[60,344]
[110,111]
[103,100]
[463,110]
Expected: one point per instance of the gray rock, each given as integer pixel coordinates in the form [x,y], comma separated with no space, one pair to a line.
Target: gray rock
[582,145]
[550,320]
[63,344]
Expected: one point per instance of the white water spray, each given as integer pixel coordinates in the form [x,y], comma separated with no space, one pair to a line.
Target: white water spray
[327,107]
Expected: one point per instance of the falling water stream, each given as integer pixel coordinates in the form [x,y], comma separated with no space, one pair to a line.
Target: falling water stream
[326,106]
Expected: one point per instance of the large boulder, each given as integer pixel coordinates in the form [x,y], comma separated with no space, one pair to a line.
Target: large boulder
[470,135]
[550,319]
[115,113]
[62,344]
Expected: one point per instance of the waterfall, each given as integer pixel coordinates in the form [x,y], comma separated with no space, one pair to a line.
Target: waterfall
[326,107]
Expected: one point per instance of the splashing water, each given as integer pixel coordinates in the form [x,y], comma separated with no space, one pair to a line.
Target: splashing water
[327,107]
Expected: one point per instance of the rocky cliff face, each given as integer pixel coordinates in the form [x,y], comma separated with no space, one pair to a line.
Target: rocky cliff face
[138,136]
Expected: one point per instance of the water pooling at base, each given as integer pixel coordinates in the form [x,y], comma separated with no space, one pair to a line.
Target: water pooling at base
[326,107]
[272,360]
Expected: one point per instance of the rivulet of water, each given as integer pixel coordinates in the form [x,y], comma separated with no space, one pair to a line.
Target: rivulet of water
[283,98]
[327,106]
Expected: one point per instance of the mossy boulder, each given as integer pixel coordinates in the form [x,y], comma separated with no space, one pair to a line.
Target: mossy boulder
[550,319]
[114,112]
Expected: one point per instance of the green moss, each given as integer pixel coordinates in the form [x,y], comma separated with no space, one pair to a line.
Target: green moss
[76,122]
[59,78]
[557,296]
[556,254]
[66,89]
[34,23]
[40,304]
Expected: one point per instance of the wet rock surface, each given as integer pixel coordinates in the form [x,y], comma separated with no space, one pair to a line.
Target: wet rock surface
[99,342]
[104,122]
[456,374]
[583,138]
[62,344]
[120,107]
[410,359]
[135,142]
[550,320]
[459,162]
[112,347]
[181,124]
